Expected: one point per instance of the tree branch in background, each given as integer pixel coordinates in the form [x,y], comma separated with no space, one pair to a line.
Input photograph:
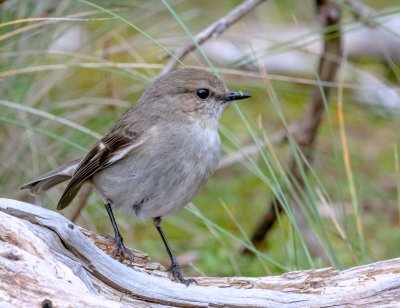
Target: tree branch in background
[212,31]
[82,201]
[328,15]
[361,12]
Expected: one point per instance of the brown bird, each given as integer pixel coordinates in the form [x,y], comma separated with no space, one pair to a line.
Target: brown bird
[156,157]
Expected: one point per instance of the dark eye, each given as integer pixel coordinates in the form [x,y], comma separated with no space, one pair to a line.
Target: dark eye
[202,93]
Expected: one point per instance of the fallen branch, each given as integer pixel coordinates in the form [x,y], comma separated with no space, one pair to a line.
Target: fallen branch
[212,31]
[46,259]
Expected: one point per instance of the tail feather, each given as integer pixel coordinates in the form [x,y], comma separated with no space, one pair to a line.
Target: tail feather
[52,178]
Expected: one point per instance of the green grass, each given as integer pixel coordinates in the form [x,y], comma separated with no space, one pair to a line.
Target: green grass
[54,106]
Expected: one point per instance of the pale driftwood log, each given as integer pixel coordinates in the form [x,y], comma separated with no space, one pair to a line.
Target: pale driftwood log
[46,259]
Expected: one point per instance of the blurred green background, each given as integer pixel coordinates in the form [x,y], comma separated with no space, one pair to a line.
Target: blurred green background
[68,69]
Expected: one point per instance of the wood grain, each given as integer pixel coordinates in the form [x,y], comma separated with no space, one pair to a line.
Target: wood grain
[45,257]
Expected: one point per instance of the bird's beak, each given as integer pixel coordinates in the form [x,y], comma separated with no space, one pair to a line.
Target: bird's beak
[235,96]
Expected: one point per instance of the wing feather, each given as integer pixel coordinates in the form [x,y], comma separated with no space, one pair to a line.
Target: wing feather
[104,153]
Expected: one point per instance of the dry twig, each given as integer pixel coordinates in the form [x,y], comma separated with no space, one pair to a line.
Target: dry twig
[361,11]
[82,201]
[212,31]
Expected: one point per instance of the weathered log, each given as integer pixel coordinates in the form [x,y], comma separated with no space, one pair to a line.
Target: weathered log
[47,260]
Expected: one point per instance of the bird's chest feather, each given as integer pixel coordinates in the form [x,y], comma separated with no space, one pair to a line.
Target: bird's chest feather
[203,145]
[166,174]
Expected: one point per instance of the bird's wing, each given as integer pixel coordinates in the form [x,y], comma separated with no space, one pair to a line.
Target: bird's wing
[107,151]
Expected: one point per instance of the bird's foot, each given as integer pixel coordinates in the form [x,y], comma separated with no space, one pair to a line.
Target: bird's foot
[176,273]
[121,250]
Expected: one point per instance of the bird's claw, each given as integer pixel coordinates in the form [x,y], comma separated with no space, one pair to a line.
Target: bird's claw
[176,273]
[122,251]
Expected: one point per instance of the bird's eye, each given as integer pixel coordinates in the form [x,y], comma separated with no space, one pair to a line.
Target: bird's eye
[202,93]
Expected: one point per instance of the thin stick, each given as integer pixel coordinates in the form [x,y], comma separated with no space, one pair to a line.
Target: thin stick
[361,12]
[212,31]
[83,197]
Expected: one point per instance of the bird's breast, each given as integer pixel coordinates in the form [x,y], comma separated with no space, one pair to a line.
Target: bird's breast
[165,174]
[207,143]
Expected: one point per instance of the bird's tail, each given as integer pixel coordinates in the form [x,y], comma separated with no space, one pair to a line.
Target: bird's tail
[52,178]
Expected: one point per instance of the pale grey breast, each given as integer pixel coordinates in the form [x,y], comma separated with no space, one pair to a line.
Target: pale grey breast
[163,175]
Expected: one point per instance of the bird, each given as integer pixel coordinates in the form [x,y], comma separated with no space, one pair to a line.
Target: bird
[156,157]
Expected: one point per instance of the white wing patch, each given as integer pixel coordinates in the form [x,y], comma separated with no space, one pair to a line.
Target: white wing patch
[152,134]
[69,171]
[122,153]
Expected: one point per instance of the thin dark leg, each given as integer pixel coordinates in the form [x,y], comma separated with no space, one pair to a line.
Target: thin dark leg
[175,268]
[119,241]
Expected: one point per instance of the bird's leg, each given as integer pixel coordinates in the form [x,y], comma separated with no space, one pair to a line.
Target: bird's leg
[119,241]
[174,268]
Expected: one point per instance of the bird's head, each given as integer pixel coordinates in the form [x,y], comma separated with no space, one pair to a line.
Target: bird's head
[190,93]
